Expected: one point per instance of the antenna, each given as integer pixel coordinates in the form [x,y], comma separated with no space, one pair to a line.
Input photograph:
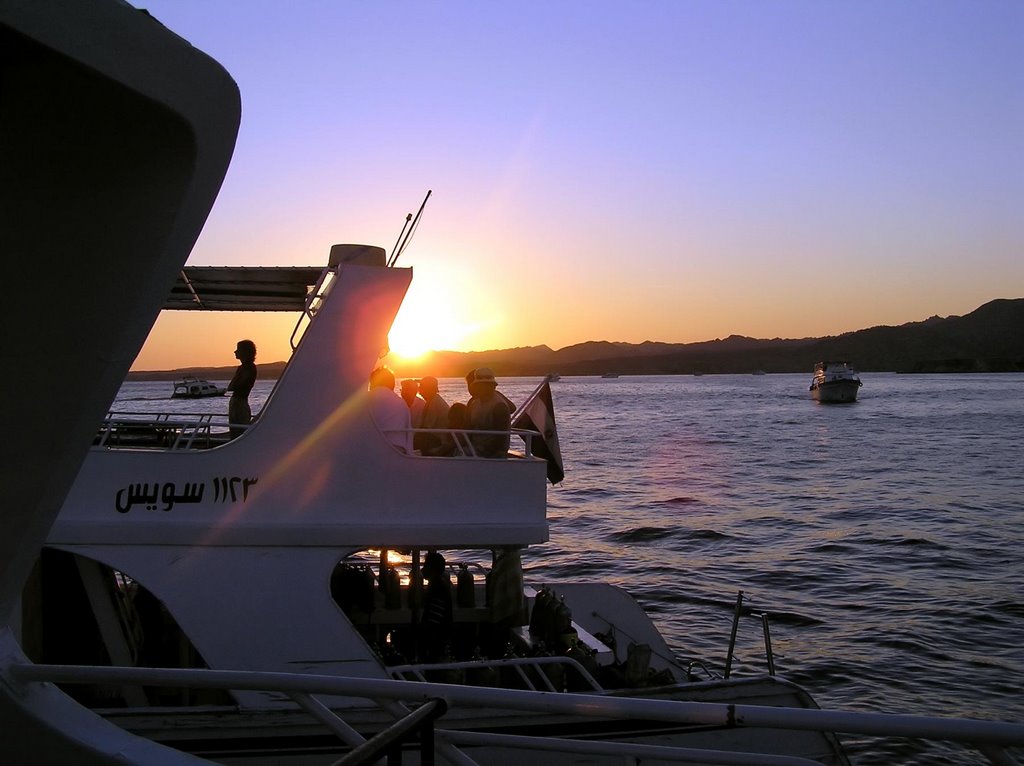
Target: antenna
[411,230]
[391,258]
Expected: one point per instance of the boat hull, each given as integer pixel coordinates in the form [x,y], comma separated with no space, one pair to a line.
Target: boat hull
[836,392]
[201,395]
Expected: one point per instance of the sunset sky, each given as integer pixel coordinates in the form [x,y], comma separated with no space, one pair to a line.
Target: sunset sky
[670,170]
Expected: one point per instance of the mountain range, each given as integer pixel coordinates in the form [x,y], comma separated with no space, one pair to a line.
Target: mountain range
[989,339]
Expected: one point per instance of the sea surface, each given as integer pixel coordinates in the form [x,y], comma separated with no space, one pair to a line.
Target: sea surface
[884,538]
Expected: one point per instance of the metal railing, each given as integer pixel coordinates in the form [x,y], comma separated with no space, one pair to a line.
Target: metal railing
[993,739]
[313,302]
[769,653]
[527,669]
[162,431]
[418,723]
[462,438]
[178,431]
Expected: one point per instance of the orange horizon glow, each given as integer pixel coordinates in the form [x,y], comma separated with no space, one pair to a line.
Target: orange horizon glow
[185,340]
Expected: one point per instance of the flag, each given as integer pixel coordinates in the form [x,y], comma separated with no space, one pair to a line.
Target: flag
[538,414]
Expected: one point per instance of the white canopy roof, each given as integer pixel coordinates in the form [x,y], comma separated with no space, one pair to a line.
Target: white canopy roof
[243,288]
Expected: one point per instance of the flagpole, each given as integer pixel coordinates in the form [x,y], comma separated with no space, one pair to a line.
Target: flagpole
[529,400]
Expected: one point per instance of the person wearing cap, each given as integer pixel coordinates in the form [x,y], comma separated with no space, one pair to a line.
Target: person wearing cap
[488,411]
[434,416]
[390,413]
[239,412]
[410,391]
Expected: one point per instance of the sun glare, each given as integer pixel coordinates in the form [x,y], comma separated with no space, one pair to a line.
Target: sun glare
[426,324]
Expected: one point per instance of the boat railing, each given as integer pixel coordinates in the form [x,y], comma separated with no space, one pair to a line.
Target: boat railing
[186,431]
[547,670]
[313,301]
[993,739]
[766,632]
[162,431]
[462,439]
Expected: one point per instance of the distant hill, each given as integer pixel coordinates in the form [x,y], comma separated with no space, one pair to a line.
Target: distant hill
[989,339]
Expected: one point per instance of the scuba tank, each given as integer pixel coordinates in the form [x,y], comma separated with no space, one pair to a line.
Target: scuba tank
[366,599]
[564,631]
[465,588]
[415,593]
[540,615]
[392,587]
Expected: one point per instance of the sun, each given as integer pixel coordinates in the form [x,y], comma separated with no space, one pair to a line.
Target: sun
[426,323]
[409,340]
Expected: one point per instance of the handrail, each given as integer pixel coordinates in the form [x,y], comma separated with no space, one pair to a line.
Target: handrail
[526,435]
[631,752]
[169,431]
[992,737]
[418,671]
[307,309]
[769,653]
[185,429]
[419,720]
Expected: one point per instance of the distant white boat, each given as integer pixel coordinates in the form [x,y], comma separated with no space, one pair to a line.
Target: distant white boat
[553,377]
[195,388]
[835,383]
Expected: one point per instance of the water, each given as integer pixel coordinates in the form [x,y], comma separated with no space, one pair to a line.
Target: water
[884,538]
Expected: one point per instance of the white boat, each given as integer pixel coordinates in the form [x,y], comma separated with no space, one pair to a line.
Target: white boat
[835,383]
[213,600]
[289,525]
[195,388]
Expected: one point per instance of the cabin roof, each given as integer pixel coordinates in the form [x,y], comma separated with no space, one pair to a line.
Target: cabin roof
[243,288]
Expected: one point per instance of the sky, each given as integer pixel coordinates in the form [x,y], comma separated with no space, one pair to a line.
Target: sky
[667,170]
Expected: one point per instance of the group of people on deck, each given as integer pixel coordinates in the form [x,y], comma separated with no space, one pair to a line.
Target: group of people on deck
[419,420]
[422,409]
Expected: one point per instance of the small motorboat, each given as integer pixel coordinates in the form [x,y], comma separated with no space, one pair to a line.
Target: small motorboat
[196,388]
[835,383]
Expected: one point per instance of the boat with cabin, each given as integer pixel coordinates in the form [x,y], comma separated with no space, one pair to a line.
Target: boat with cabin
[196,388]
[290,536]
[197,599]
[835,383]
